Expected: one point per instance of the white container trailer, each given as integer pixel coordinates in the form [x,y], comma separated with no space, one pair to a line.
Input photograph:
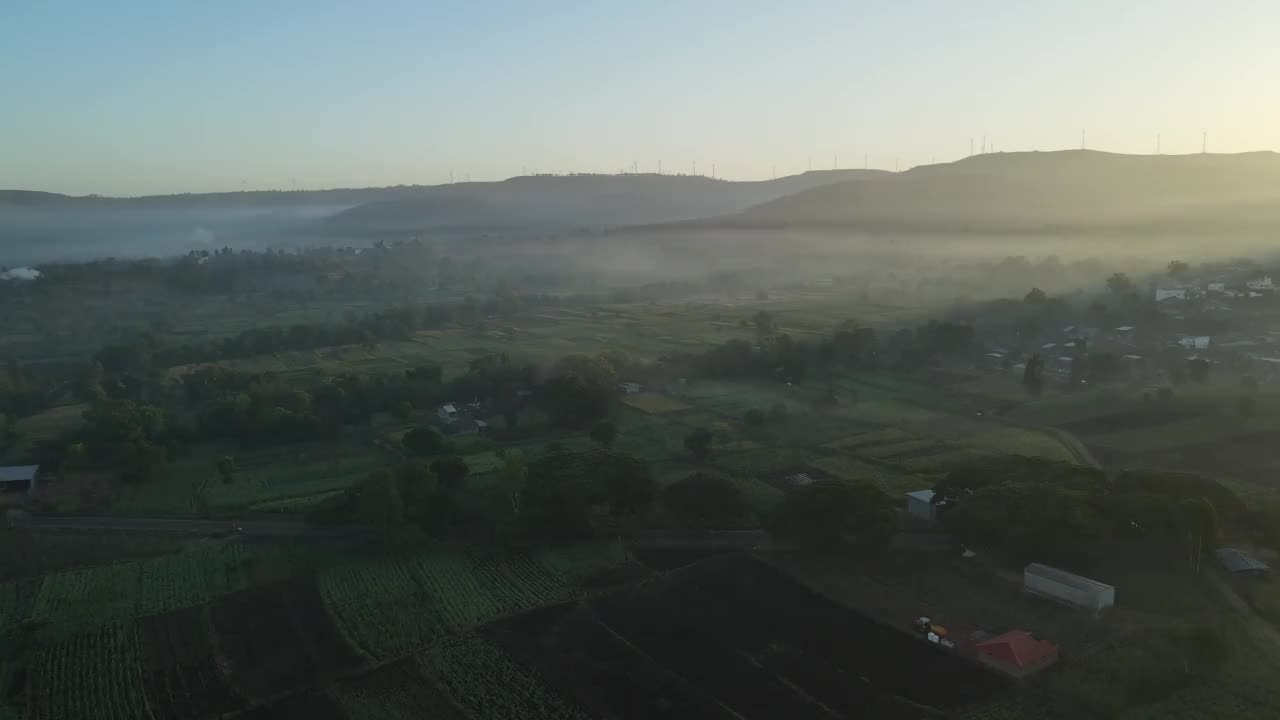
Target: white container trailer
[1068,588]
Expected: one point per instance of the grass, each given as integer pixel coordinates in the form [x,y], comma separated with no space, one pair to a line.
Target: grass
[653,403]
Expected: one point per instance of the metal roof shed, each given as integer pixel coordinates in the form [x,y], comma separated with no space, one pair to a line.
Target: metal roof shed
[920,504]
[1067,588]
[1239,562]
[18,477]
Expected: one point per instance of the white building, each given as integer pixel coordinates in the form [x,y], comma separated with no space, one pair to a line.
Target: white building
[1217,287]
[920,504]
[1262,283]
[1194,342]
[1163,294]
[447,414]
[1068,588]
[631,388]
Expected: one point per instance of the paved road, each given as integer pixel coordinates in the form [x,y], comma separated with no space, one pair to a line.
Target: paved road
[262,528]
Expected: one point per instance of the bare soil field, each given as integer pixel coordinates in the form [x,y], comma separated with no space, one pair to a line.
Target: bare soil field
[733,637]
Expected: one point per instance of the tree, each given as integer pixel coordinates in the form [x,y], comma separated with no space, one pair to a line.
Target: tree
[829,514]
[1178,270]
[580,390]
[766,326]
[705,500]
[573,495]
[512,477]
[419,492]
[451,471]
[604,433]
[402,411]
[1198,370]
[1035,296]
[1029,521]
[423,441]
[1120,285]
[753,418]
[1033,375]
[778,413]
[698,443]
[380,506]
[1200,529]
[227,469]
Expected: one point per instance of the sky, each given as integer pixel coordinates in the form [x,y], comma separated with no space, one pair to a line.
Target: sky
[149,96]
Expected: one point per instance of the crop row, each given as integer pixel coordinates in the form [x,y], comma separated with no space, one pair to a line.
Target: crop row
[96,676]
[478,677]
[391,607]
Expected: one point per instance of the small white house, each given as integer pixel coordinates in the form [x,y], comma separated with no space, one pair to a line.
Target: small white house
[447,414]
[1194,342]
[920,504]
[1163,294]
[631,388]
[1262,283]
[1068,588]
[1217,287]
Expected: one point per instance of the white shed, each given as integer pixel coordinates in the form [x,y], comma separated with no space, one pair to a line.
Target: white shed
[920,504]
[1067,588]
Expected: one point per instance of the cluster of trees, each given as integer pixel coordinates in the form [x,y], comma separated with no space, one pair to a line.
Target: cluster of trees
[777,356]
[1035,509]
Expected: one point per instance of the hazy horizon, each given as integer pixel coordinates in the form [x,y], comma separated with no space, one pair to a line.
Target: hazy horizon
[155,98]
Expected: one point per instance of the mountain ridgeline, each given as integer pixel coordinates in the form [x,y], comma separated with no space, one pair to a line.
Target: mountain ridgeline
[1076,190]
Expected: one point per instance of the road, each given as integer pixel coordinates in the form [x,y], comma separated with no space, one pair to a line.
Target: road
[254,528]
[1075,446]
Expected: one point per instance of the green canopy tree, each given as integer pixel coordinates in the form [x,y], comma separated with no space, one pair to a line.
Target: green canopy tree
[227,469]
[698,443]
[423,441]
[1200,529]
[604,433]
[580,390]
[451,471]
[705,500]
[829,514]
[380,506]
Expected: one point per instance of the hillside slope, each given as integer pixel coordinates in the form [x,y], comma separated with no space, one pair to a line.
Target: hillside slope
[576,201]
[1076,189]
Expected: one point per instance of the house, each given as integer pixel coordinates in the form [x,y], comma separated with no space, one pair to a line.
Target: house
[1067,588]
[1194,342]
[1217,287]
[1017,653]
[448,414]
[1241,563]
[920,504]
[630,388]
[18,478]
[1163,294]
[1262,283]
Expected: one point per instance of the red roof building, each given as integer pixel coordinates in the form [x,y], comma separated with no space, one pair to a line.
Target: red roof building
[1017,653]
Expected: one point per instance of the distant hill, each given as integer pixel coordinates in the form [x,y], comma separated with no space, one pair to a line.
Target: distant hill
[575,201]
[187,201]
[1029,191]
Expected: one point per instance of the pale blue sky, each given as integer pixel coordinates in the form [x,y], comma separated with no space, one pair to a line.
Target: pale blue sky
[145,96]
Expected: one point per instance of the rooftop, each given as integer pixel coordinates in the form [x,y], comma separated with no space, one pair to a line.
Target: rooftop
[1062,576]
[921,495]
[1019,648]
[18,473]
[1237,561]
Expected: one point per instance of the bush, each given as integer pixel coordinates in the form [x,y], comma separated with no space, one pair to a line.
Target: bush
[423,441]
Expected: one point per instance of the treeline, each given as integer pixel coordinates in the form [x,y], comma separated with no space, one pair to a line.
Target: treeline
[776,355]
[1031,509]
